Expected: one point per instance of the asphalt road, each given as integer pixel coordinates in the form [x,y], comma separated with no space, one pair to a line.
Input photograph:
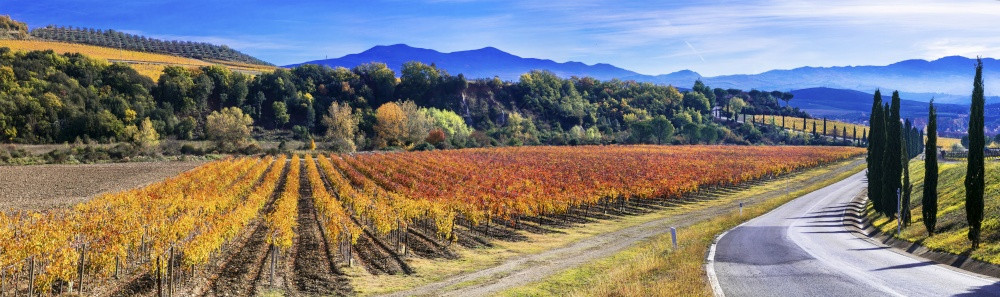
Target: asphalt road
[803,249]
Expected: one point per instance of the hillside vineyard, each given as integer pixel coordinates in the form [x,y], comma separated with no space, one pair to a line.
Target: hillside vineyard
[179,225]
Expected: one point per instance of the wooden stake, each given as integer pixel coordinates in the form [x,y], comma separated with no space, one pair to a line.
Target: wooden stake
[159,280]
[83,252]
[170,272]
[31,276]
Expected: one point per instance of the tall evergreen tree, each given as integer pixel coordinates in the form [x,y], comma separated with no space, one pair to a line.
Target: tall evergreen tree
[974,177]
[875,151]
[929,201]
[893,149]
[907,188]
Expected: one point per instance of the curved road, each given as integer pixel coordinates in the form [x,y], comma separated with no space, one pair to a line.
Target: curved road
[803,249]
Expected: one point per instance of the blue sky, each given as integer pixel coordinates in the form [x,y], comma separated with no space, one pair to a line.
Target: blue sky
[650,37]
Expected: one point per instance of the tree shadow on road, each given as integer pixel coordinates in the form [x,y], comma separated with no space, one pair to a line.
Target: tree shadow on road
[905,266]
[990,290]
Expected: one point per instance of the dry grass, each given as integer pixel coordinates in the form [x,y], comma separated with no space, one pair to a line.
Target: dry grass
[654,268]
[39,187]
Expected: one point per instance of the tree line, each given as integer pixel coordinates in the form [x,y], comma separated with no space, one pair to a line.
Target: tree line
[53,98]
[892,143]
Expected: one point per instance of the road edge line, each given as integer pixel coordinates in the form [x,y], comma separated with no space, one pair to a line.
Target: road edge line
[713,279]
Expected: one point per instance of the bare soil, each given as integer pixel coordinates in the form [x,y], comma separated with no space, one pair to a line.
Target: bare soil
[247,265]
[39,187]
[313,272]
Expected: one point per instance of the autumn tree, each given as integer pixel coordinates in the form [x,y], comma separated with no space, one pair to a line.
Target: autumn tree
[143,137]
[391,125]
[341,126]
[229,128]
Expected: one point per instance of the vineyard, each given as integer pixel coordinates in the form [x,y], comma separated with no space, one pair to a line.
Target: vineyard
[833,128]
[244,225]
[148,64]
[121,40]
[823,127]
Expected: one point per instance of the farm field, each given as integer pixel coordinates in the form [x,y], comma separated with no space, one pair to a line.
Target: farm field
[64,185]
[148,64]
[316,224]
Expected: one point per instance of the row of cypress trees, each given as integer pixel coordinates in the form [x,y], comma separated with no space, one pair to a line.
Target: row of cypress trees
[890,147]
[889,142]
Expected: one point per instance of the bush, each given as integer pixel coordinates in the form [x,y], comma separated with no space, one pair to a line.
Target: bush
[423,146]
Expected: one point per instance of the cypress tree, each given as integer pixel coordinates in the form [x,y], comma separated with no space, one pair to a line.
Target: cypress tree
[855,137]
[824,126]
[803,124]
[974,177]
[907,188]
[843,136]
[893,148]
[875,151]
[929,201]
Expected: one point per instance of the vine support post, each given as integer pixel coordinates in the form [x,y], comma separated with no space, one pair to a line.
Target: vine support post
[31,275]
[117,266]
[273,257]
[80,271]
[159,279]
[170,272]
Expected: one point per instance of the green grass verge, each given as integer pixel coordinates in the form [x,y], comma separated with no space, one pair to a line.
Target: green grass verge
[652,267]
[952,227]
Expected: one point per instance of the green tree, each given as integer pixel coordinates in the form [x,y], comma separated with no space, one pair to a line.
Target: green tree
[907,188]
[875,151]
[281,115]
[929,200]
[662,130]
[893,149]
[975,174]
[697,101]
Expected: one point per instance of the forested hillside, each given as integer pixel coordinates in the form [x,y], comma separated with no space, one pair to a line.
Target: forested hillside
[51,97]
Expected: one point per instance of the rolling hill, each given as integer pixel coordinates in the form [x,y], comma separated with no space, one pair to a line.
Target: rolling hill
[480,63]
[947,79]
[147,56]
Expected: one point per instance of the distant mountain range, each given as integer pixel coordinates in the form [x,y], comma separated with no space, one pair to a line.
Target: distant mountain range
[948,79]
[855,106]
[481,63]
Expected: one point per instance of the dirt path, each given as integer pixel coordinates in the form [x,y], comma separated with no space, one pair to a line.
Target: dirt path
[314,272]
[523,270]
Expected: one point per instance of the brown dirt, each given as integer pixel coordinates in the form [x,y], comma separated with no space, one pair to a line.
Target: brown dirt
[247,265]
[313,269]
[39,187]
